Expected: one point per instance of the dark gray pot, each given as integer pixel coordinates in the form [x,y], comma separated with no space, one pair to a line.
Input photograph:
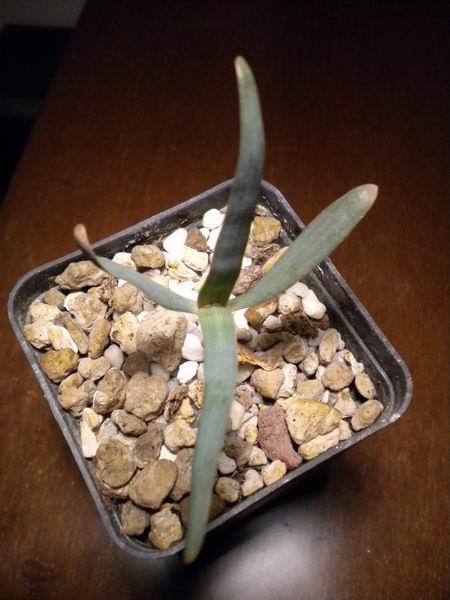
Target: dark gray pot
[361,335]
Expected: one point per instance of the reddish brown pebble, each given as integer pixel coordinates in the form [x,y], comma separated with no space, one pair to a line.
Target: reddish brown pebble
[273,437]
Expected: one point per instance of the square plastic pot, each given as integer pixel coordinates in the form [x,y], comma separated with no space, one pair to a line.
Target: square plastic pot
[362,336]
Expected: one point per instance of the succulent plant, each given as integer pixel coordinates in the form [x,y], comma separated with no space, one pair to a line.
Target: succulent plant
[214,306]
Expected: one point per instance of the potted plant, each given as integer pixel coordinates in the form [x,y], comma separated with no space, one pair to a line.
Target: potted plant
[302,394]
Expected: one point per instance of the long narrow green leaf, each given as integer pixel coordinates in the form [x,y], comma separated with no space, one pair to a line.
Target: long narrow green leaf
[232,241]
[315,243]
[220,365]
[150,289]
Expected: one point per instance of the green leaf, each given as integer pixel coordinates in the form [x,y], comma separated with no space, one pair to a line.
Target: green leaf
[220,366]
[150,289]
[232,241]
[314,244]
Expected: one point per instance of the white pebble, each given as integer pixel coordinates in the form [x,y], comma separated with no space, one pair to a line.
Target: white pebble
[239,320]
[225,464]
[272,323]
[186,289]
[187,371]
[320,371]
[299,289]
[89,442]
[244,372]
[252,482]
[212,219]
[156,369]
[175,241]
[192,348]
[236,415]
[194,259]
[213,237]
[167,454]
[124,259]
[114,356]
[121,282]
[246,262]
[312,306]
[204,232]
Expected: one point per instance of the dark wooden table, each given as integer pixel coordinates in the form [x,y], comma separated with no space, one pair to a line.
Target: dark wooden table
[142,115]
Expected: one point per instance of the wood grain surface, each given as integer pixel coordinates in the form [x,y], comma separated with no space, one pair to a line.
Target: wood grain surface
[142,115]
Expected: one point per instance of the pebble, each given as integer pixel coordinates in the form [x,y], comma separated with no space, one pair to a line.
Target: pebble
[226,465]
[76,333]
[273,472]
[273,437]
[213,237]
[37,333]
[345,403]
[179,434]
[299,289]
[114,463]
[153,484]
[212,219]
[147,256]
[78,275]
[76,398]
[294,350]
[187,371]
[148,445]
[246,277]
[110,393]
[166,453]
[365,386]
[58,364]
[290,379]
[192,348]
[256,315]
[135,362]
[107,431]
[306,419]
[258,457]
[328,346]
[127,298]
[54,297]
[267,383]
[289,303]
[312,306]
[265,229]
[175,241]
[39,311]
[160,337]
[99,337]
[345,432]
[366,414]
[165,529]
[60,338]
[337,376]
[134,520]
[198,261]
[85,308]
[237,448]
[244,372]
[252,482]
[156,369]
[310,364]
[311,389]
[239,319]
[123,332]
[124,259]
[145,394]
[88,439]
[183,482]
[228,489]
[236,415]
[90,368]
[128,424]
[114,356]
[91,418]
[319,444]
[196,239]
[272,323]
